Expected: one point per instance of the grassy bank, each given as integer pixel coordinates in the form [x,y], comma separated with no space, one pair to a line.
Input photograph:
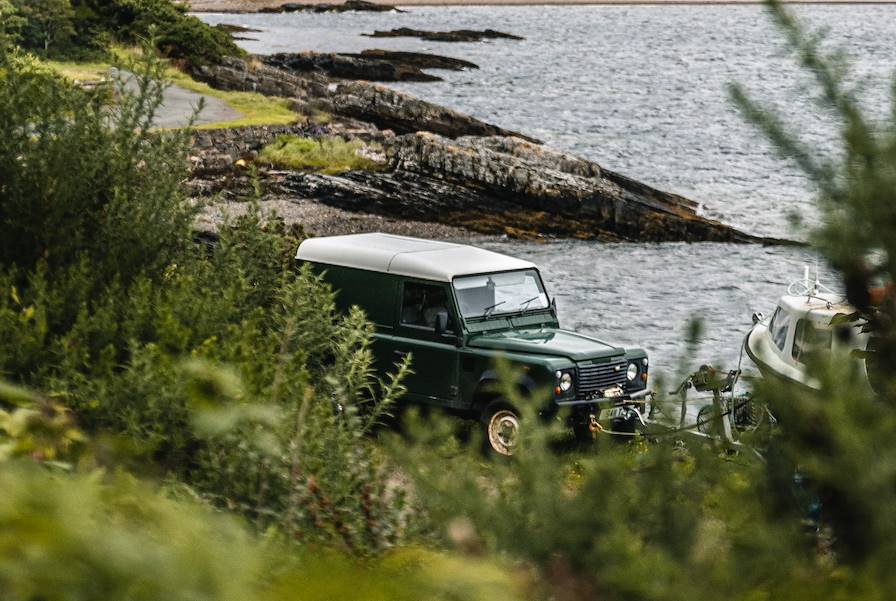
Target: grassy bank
[331,155]
[255,109]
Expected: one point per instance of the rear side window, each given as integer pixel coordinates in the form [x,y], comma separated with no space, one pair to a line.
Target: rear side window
[778,326]
[421,303]
[810,339]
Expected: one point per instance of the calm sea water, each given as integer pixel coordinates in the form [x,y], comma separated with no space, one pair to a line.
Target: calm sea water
[643,91]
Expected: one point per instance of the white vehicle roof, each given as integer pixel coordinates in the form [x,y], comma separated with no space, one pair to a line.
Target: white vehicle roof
[401,255]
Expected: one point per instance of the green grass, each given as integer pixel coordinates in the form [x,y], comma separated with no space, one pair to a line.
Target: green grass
[329,155]
[255,109]
[81,71]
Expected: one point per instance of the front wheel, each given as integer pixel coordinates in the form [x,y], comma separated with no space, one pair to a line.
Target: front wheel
[501,428]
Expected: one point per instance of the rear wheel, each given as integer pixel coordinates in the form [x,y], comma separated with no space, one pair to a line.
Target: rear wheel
[500,428]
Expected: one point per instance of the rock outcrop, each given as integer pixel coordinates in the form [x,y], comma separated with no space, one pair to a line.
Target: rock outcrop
[215,151]
[254,76]
[402,113]
[421,60]
[457,35]
[501,185]
[449,168]
[231,29]
[363,101]
[348,5]
[347,67]
[370,65]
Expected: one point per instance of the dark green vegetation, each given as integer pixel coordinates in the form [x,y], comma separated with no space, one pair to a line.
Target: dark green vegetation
[109,306]
[85,28]
[200,426]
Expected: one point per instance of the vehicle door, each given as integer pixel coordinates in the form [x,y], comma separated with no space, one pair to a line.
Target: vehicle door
[435,355]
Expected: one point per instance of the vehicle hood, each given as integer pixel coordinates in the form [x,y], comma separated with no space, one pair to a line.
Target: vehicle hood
[546,341]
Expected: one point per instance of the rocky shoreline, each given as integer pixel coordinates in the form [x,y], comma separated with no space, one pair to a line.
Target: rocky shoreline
[450,174]
[371,65]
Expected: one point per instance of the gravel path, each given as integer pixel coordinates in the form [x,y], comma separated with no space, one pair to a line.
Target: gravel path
[179,104]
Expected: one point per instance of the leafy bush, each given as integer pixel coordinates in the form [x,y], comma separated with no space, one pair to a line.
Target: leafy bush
[109,306]
[96,537]
[63,207]
[329,155]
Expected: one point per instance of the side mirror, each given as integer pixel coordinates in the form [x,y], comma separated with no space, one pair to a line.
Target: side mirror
[757,317]
[554,305]
[441,322]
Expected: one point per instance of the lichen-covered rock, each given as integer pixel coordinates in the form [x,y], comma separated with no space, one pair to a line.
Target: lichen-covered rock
[510,186]
[421,60]
[361,100]
[451,168]
[348,66]
[254,76]
[369,65]
[536,178]
[402,113]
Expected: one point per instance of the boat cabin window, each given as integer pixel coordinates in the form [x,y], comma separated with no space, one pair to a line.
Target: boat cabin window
[810,338]
[778,326]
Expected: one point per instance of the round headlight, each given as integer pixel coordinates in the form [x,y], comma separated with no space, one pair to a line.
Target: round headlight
[565,381]
[632,372]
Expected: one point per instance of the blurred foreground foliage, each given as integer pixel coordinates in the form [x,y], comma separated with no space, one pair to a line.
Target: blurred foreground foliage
[218,366]
[206,421]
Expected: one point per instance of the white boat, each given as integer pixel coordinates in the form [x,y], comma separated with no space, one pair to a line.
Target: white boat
[801,327]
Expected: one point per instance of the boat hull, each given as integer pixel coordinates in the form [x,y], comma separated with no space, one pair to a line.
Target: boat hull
[758,346]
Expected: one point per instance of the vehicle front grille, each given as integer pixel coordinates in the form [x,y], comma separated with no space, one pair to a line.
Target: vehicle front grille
[594,378]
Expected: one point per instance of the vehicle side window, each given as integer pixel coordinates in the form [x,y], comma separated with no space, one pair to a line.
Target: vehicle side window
[809,339]
[421,303]
[778,326]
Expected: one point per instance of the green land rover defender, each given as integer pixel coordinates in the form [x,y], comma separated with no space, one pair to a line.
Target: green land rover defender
[456,310]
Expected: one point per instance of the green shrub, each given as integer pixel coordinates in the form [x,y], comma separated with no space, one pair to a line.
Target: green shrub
[98,536]
[108,305]
[330,155]
[82,184]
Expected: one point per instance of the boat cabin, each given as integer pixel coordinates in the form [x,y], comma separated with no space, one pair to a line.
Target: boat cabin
[799,329]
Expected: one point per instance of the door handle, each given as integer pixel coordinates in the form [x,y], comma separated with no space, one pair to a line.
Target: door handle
[400,354]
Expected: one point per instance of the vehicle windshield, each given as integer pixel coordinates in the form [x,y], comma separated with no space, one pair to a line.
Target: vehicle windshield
[497,293]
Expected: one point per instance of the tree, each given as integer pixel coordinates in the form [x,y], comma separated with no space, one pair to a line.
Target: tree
[11,22]
[48,24]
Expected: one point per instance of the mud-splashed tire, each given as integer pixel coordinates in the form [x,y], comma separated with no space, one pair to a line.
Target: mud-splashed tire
[500,429]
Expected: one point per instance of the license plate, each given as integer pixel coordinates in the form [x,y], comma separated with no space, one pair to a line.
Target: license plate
[613,413]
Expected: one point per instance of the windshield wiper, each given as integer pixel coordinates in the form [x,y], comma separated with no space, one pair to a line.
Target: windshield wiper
[490,308]
[525,304]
